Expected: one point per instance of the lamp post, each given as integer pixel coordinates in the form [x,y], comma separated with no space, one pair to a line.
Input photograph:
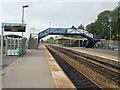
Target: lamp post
[1,54]
[110,32]
[25,6]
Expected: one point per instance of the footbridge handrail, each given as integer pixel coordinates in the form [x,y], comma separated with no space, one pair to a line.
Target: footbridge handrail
[67,31]
[64,31]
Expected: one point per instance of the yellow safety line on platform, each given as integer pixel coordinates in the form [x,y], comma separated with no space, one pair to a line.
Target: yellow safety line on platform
[59,77]
[90,53]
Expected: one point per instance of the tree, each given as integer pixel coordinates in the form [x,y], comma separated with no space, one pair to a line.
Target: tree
[102,24]
[81,26]
[115,23]
[51,40]
[56,36]
[73,27]
[103,20]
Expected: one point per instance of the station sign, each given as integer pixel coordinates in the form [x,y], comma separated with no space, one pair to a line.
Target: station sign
[14,27]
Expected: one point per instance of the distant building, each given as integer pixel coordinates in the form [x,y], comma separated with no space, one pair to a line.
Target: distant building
[71,42]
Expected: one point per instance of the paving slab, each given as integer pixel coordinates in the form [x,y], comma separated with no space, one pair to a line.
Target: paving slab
[31,71]
[7,60]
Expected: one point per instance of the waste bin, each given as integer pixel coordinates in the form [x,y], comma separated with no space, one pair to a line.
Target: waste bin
[18,50]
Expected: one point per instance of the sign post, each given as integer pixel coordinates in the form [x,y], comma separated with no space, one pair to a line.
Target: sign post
[25,6]
[11,27]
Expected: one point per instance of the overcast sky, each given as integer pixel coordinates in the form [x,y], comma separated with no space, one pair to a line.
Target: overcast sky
[60,14]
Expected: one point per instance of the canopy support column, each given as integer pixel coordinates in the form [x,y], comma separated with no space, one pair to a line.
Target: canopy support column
[6,46]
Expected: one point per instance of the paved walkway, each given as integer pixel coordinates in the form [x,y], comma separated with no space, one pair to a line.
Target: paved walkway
[32,71]
[7,60]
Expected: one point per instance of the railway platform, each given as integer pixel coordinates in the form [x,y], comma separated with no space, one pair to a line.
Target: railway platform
[103,52]
[37,69]
[8,60]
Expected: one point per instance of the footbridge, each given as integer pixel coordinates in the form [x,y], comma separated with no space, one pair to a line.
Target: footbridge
[68,31]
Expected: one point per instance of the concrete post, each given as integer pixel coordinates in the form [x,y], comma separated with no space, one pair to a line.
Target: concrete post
[83,43]
[18,42]
[1,45]
[10,45]
[14,45]
[6,46]
[70,42]
[79,43]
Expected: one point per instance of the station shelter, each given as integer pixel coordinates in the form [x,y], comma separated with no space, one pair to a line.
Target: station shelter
[72,42]
[14,44]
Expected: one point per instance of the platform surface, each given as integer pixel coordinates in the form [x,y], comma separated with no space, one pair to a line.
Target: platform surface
[104,52]
[31,71]
[7,60]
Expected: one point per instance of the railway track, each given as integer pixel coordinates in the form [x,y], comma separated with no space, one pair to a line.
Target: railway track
[111,77]
[79,79]
[95,66]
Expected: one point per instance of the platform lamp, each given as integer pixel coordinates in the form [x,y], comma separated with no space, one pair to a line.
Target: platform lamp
[110,32]
[25,6]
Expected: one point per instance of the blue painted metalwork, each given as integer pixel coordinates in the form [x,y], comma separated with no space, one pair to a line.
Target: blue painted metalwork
[67,31]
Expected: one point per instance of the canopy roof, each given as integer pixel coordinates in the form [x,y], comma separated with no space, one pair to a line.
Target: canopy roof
[68,38]
[13,36]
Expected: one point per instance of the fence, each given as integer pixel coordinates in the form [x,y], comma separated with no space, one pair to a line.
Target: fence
[106,44]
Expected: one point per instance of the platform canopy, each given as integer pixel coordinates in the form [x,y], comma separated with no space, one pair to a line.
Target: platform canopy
[13,36]
[69,38]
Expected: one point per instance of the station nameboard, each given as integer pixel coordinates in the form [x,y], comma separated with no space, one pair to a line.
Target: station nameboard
[15,28]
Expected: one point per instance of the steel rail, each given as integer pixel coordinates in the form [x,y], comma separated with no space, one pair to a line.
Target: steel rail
[90,80]
[89,62]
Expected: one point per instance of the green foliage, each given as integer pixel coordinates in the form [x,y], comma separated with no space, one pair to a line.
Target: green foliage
[73,36]
[106,20]
[51,40]
[93,27]
[73,27]
[56,37]
[81,27]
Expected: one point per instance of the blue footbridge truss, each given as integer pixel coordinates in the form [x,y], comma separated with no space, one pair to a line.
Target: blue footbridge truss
[68,31]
